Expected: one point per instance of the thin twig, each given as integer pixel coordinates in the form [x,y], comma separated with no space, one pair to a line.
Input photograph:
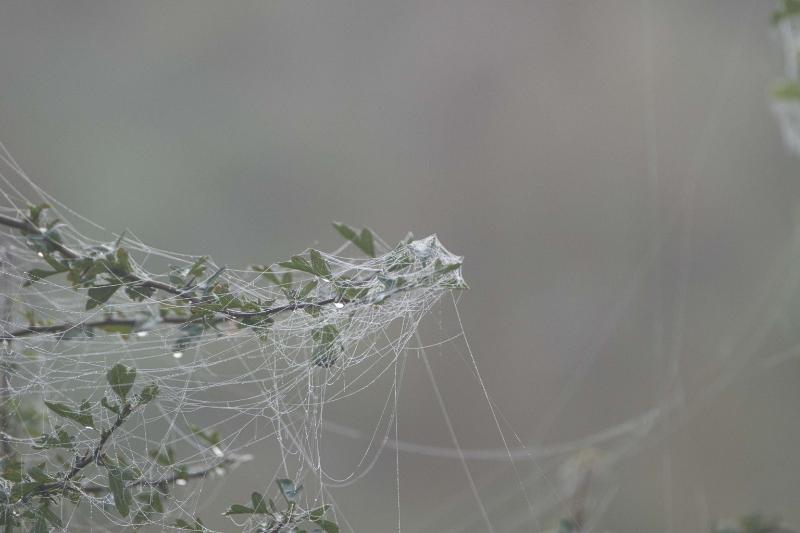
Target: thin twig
[184,293]
[176,475]
[91,456]
[33,330]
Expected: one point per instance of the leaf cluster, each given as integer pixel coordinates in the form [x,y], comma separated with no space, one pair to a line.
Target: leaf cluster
[289,518]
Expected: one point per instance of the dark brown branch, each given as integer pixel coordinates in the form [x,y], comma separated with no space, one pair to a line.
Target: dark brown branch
[91,456]
[26,226]
[33,330]
[63,328]
[185,293]
[176,475]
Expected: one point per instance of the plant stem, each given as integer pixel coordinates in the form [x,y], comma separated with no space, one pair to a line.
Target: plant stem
[63,328]
[26,227]
[172,478]
[91,456]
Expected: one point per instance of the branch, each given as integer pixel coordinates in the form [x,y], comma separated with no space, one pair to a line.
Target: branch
[33,330]
[91,456]
[193,473]
[27,227]
[63,328]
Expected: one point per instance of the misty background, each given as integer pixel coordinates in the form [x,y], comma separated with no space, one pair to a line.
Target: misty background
[611,172]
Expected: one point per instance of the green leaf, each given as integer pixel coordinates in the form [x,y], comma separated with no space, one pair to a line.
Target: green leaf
[208,284]
[196,525]
[148,394]
[307,288]
[121,494]
[298,263]
[35,213]
[58,439]
[37,473]
[288,490]
[327,346]
[21,490]
[121,379]
[45,512]
[198,268]
[318,513]
[58,266]
[319,265]
[442,269]
[346,231]
[36,274]
[100,295]
[267,272]
[152,499]
[11,469]
[114,408]
[259,504]
[176,277]
[355,293]
[83,416]
[140,518]
[327,526]
[122,265]
[365,241]
[139,293]
[238,509]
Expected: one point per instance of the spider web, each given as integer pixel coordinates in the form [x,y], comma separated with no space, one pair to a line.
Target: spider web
[252,387]
[229,389]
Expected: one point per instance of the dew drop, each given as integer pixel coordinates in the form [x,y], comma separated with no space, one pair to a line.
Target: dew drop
[177,355]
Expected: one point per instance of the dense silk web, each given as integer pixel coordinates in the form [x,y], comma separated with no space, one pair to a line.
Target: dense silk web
[270,381]
[237,383]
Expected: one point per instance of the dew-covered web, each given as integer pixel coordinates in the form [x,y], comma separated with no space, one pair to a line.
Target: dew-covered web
[231,383]
[267,380]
